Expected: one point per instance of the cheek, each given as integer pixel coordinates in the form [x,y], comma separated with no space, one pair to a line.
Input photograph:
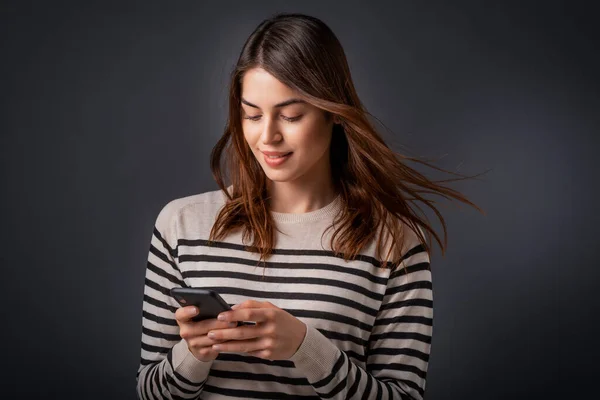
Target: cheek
[251,134]
[313,135]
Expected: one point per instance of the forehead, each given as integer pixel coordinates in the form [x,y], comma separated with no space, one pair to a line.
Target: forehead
[264,90]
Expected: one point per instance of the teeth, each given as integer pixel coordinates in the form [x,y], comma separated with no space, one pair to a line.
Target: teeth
[275,157]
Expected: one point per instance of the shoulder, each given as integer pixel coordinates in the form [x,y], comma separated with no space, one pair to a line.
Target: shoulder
[199,206]
[407,242]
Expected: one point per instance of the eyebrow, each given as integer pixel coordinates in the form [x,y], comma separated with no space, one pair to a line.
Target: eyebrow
[278,105]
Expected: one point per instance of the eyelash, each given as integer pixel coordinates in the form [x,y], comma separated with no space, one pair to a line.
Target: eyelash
[287,119]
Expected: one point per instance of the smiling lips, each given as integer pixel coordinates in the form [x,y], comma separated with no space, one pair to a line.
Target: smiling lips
[276,158]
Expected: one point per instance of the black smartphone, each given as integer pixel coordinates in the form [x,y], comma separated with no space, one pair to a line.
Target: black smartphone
[209,302]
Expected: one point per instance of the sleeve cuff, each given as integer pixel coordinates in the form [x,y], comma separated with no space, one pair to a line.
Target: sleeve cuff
[316,356]
[187,365]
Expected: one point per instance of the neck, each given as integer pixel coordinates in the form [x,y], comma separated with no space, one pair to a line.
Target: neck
[301,197]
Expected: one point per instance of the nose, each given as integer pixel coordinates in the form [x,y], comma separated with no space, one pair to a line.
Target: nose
[270,132]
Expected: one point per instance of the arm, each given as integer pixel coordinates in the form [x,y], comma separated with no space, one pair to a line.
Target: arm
[399,345]
[167,370]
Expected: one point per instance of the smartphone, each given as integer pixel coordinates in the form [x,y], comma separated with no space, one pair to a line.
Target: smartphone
[209,302]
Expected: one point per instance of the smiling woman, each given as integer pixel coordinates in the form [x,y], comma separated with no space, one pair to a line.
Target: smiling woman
[343,303]
[289,137]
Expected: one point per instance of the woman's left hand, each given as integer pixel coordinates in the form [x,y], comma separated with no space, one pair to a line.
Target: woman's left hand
[277,334]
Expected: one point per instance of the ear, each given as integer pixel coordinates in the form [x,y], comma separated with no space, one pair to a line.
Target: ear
[337,120]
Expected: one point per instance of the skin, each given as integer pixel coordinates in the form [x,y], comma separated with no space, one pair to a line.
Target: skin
[303,183]
[275,118]
[277,334]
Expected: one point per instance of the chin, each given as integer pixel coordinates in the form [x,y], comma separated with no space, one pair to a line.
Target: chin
[278,177]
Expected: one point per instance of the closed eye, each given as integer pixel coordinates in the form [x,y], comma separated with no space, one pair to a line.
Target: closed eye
[287,119]
[291,119]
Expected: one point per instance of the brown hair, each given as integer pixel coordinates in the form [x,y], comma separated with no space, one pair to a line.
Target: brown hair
[376,186]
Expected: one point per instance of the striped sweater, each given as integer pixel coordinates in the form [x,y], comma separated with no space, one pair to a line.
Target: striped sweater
[368,329]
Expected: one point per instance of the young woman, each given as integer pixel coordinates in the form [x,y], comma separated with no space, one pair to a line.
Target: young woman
[312,236]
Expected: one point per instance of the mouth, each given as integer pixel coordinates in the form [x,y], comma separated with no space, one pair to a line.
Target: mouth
[276,159]
[275,155]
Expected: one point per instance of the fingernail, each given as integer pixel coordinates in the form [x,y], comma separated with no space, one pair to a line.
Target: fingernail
[193,311]
[221,317]
[216,347]
[232,324]
[235,306]
[211,335]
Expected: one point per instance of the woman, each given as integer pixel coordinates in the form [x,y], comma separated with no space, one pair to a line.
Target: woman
[312,237]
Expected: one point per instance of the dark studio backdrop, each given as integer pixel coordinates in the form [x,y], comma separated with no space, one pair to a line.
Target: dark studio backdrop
[110,110]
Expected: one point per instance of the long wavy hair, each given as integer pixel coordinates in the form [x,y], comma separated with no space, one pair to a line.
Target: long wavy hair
[377,187]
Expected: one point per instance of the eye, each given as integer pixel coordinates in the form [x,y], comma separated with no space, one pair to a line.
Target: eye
[291,119]
[252,117]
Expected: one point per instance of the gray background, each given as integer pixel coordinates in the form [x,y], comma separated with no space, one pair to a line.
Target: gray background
[110,110]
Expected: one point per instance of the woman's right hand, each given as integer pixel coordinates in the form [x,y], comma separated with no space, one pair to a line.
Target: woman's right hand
[195,332]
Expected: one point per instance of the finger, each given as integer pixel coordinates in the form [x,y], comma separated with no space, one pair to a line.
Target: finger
[206,352]
[214,324]
[248,314]
[202,341]
[264,354]
[199,342]
[243,346]
[184,314]
[191,329]
[239,333]
[247,304]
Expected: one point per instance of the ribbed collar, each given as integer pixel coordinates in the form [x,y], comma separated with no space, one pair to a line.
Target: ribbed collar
[328,211]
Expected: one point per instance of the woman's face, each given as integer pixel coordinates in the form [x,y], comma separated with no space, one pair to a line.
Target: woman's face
[289,137]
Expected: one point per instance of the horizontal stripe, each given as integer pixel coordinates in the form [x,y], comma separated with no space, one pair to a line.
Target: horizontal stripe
[402,335]
[157,319]
[397,352]
[252,394]
[398,367]
[258,377]
[319,266]
[183,379]
[145,361]
[155,349]
[359,307]
[424,266]
[315,281]
[287,295]
[296,252]
[408,303]
[161,335]
[343,337]
[186,391]
[297,313]
[156,286]
[159,304]
[254,360]
[404,319]
[409,286]
[330,317]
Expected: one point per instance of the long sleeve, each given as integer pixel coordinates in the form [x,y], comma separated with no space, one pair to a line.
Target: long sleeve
[167,370]
[399,344]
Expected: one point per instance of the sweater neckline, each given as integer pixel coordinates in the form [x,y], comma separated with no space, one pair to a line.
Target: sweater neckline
[328,211]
